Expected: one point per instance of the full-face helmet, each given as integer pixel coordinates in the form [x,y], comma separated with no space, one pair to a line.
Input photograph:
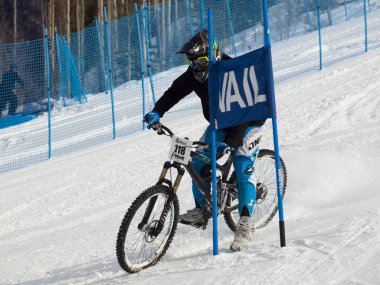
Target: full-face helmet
[196,51]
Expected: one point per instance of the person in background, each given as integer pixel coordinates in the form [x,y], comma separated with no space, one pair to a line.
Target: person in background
[243,138]
[8,84]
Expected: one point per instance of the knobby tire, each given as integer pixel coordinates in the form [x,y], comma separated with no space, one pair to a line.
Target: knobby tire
[122,242]
[228,217]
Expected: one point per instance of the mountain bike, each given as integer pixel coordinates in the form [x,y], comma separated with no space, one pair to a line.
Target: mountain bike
[150,223]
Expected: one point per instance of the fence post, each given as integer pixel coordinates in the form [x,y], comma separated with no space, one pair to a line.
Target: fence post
[203,14]
[319,34]
[47,61]
[365,27]
[75,71]
[345,9]
[329,12]
[63,92]
[141,62]
[189,16]
[109,70]
[231,26]
[146,30]
[308,13]
[101,55]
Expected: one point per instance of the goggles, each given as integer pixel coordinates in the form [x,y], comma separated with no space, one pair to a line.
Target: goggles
[199,63]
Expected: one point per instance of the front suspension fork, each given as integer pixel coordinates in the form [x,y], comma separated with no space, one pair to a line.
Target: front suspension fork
[155,231]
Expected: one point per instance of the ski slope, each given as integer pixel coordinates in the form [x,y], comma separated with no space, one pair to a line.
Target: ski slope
[59,219]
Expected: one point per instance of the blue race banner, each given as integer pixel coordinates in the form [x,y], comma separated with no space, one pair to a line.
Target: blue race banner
[240,89]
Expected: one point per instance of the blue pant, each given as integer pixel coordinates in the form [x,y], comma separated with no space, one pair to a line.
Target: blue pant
[243,161]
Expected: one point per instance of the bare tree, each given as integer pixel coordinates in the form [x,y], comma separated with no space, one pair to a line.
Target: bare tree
[67,17]
[14,21]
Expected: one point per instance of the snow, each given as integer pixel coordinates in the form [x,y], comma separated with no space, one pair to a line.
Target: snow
[59,219]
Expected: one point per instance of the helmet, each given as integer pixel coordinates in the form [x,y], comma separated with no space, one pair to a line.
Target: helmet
[196,50]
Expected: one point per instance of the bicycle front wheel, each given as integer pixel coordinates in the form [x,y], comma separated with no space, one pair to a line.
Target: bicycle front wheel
[266,192]
[147,229]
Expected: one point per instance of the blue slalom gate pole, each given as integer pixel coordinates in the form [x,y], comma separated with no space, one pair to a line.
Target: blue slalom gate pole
[101,55]
[231,26]
[46,40]
[149,67]
[108,47]
[213,150]
[141,62]
[267,45]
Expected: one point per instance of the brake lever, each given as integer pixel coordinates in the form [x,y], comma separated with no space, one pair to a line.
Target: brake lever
[157,127]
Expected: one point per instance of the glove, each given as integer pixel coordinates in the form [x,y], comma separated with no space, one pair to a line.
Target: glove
[221,148]
[152,118]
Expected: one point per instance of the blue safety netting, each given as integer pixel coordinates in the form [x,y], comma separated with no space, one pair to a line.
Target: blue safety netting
[71,83]
[127,74]
[104,78]
[22,94]
[82,112]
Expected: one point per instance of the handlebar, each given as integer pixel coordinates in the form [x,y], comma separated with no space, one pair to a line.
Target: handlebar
[224,168]
[163,130]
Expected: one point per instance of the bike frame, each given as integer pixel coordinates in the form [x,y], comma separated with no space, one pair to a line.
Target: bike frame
[203,187]
[196,177]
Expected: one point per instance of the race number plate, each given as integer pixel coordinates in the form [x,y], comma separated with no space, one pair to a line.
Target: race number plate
[180,150]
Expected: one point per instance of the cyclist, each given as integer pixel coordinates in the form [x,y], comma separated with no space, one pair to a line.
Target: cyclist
[243,138]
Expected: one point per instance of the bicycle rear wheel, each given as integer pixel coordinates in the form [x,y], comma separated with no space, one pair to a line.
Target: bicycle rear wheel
[266,192]
[147,229]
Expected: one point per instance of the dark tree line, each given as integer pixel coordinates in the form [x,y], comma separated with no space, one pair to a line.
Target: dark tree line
[22,24]
[22,20]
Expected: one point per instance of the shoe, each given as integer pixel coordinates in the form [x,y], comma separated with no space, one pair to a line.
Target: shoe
[243,234]
[192,217]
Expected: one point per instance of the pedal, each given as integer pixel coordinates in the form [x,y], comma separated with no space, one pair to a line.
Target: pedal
[193,224]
